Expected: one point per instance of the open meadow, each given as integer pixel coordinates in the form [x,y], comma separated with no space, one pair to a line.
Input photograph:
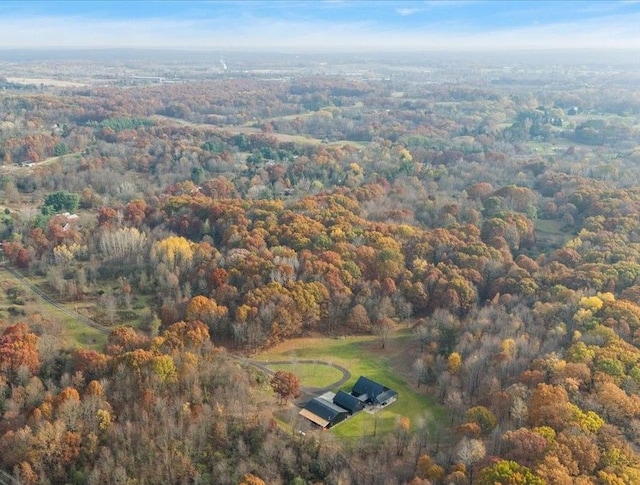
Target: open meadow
[364,356]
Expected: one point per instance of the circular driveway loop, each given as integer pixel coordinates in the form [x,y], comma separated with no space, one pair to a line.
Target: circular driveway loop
[307,392]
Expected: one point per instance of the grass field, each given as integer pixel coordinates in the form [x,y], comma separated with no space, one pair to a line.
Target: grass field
[547,148]
[69,316]
[549,232]
[77,334]
[310,375]
[364,356]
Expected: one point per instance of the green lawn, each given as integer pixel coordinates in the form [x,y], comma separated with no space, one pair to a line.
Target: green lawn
[311,375]
[79,334]
[364,356]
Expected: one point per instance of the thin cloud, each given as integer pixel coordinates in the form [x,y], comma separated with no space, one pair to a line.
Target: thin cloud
[250,31]
[421,7]
[405,12]
[451,3]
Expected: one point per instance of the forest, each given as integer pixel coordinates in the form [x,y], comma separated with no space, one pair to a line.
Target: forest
[155,235]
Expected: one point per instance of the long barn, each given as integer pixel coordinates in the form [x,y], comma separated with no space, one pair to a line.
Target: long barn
[330,409]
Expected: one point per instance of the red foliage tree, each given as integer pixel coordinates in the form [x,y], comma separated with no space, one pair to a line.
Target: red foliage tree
[286,385]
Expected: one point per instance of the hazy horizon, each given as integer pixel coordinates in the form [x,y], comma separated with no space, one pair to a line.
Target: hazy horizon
[323,26]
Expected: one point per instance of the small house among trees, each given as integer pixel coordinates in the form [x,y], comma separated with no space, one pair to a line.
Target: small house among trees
[330,409]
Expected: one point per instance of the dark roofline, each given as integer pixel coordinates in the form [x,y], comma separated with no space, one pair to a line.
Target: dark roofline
[364,385]
[386,395]
[347,401]
[323,408]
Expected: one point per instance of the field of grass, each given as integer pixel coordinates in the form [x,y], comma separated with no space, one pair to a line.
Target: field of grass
[69,316]
[548,148]
[310,375]
[364,356]
[76,333]
[550,233]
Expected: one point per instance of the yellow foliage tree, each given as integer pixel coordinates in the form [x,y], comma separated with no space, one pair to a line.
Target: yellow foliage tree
[64,255]
[508,346]
[607,297]
[174,252]
[164,367]
[104,419]
[454,362]
[593,303]
[589,421]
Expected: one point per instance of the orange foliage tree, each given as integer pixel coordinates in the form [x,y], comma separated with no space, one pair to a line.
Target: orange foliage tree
[18,348]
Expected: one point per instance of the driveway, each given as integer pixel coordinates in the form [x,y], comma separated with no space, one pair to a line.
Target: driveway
[306,393]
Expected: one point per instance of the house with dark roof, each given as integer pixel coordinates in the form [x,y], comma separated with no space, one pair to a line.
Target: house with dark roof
[348,402]
[324,413]
[387,397]
[330,409]
[370,392]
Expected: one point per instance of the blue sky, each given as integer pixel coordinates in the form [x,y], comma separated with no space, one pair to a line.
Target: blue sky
[323,25]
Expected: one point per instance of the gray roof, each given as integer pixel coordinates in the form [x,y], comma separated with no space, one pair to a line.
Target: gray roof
[385,396]
[347,401]
[366,386]
[325,409]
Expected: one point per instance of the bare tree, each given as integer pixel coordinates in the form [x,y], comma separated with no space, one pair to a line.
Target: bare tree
[384,328]
[470,451]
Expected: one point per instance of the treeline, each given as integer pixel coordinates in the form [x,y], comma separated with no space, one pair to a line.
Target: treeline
[172,409]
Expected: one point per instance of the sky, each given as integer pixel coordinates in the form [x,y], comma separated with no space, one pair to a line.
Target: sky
[322,25]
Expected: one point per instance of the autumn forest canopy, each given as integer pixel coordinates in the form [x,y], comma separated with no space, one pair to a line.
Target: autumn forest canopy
[157,229]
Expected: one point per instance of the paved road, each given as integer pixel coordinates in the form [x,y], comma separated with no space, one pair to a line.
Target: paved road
[48,299]
[307,393]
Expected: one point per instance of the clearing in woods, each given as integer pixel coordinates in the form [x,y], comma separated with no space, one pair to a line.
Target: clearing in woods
[363,355]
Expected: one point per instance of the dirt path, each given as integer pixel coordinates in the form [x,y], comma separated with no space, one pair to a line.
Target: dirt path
[307,393]
[41,294]
[46,161]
